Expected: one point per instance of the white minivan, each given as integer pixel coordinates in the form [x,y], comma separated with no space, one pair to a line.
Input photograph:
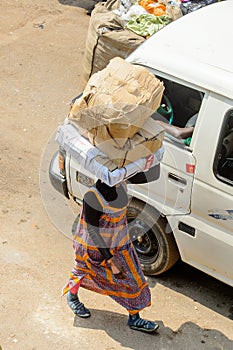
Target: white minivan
[187,212]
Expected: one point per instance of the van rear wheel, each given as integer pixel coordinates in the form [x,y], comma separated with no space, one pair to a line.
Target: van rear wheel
[156,249]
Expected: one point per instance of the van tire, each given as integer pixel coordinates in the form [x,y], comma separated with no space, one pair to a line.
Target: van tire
[156,248]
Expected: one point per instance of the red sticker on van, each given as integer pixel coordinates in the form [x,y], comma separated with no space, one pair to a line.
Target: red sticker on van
[190,168]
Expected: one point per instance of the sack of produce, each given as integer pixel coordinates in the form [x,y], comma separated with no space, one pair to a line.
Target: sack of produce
[106,38]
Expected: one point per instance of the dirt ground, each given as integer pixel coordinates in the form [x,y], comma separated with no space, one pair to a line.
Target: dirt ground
[42,44]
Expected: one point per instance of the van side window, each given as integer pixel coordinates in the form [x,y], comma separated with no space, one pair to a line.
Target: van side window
[223,164]
[179,109]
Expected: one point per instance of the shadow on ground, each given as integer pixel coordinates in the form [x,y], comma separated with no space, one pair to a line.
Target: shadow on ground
[198,286]
[188,336]
[86,4]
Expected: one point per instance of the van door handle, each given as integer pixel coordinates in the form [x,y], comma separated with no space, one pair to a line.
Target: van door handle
[179,180]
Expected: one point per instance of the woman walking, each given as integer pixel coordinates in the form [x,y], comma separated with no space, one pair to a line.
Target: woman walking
[105,259]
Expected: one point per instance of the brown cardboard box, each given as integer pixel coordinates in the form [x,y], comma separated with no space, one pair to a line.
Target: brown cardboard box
[118,122]
[145,142]
[117,100]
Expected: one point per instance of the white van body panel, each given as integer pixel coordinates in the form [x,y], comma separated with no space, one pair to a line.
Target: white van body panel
[171,193]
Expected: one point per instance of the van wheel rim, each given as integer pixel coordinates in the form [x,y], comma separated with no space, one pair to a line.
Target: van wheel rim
[144,240]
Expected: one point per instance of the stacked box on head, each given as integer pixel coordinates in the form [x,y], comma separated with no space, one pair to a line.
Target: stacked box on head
[114,107]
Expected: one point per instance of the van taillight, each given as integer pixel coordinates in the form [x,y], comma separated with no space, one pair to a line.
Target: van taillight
[61,161]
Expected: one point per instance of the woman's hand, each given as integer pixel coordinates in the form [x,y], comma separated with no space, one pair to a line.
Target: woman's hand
[116,268]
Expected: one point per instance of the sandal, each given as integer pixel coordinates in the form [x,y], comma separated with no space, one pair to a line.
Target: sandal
[139,324]
[76,306]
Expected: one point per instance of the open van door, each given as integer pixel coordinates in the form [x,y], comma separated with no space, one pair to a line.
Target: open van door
[171,193]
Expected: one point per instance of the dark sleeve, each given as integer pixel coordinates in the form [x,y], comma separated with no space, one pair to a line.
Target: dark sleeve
[92,212]
[151,174]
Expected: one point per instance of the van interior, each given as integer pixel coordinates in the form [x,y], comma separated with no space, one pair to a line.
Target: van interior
[180,107]
[179,103]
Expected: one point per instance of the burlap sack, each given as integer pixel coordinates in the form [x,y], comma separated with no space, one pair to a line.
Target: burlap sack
[172,10]
[106,38]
